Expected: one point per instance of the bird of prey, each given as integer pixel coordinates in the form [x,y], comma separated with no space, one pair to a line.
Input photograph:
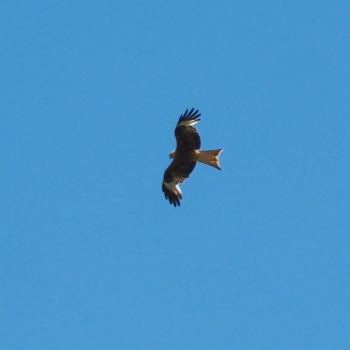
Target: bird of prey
[186,155]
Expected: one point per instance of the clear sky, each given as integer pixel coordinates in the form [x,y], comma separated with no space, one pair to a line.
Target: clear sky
[93,257]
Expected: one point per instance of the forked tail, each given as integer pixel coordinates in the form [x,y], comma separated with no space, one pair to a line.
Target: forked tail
[210,157]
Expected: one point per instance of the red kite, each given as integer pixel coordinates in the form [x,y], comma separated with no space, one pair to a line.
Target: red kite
[186,155]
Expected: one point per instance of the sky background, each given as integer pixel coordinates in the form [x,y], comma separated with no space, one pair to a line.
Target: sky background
[93,257]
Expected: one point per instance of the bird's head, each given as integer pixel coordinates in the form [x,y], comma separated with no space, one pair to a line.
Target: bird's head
[172,155]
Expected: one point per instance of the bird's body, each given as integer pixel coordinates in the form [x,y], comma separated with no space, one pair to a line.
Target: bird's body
[185,156]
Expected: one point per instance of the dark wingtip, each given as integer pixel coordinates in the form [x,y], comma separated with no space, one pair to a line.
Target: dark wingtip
[184,115]
[191,114]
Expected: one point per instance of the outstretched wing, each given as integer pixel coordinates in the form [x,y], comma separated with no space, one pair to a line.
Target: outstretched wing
[187,137]
[175,174]
[187,140]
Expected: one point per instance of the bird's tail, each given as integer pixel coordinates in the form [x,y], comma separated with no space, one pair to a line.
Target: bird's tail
[210,157]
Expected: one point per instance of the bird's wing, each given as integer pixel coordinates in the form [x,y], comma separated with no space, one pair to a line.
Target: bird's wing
[187,137]
[175,174]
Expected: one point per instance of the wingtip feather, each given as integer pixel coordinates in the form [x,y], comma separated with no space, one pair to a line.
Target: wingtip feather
[190,115]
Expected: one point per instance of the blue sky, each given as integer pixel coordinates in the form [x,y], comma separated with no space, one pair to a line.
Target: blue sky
[93,257]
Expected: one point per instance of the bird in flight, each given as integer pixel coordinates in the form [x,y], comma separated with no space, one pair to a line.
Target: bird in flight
[186,155]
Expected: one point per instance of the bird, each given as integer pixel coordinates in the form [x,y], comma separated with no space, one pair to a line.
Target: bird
[186,156]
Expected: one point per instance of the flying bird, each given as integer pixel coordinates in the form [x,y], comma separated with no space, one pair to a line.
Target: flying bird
[186,155]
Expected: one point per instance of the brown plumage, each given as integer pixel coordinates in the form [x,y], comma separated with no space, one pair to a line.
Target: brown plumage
[185,156]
